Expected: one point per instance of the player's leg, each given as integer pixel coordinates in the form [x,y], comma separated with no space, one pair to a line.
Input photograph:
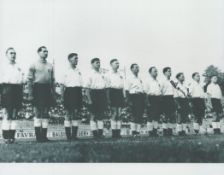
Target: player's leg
[75,124]
[113,122]
[45,122]
[164,116]
[140,105]
[6,123]
[14,123]
[67,124]
[156,114]
[93,124]
[217,108]
[37,123]
[118,122]
[149,123]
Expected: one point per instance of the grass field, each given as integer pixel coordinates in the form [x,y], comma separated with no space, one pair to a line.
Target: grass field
[208,148]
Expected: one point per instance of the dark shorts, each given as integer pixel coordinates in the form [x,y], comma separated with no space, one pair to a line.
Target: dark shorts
[216,105]
[99,101]
[168,106]
[198,107]
[154,110]
[184,106]
[73,98]
[116,97]
[184,109]
[12,95]
[138,106]
[42,94]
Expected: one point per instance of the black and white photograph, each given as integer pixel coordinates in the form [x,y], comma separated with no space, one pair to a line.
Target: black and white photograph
[112,81]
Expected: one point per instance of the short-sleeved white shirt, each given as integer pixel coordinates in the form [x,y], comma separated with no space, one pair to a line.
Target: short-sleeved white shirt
[72,77]
[152,87]
[11,74]
[167,87]
[134,85]
[214,91]
[96,80]
[181,90]
[115,79]
[196,90]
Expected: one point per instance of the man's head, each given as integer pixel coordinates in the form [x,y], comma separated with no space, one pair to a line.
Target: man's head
[95,63]
[153,71]
[214,79]
[73,59]
[134,68]
[114,64]
[42,52]
[196,77]
[167,72]
[180,77]
[11,54]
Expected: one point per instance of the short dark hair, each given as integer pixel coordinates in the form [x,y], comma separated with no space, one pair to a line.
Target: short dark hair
[7,50]
[40,48]
[151,68]
[165,69]
[214,75]
[72,55]
[113,60]
[179,74]
[132,65]
[94,60]
[194,74]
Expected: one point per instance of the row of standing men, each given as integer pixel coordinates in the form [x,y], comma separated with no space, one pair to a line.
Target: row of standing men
[174,101]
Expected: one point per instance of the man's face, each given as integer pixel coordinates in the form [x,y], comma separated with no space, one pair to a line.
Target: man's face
[182,78]
[11,55]
[135,69]
[154,72]
[214,79]
[115,65]
[43,53]
[74,60]
[197,77]
[96,65]
[168,73]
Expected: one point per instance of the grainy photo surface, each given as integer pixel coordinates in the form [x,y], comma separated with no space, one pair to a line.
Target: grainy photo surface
[112,81]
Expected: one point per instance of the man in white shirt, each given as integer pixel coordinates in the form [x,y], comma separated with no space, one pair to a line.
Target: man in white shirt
[115,96]
[12,94]
[41,83]
[136,99]
[97,98]
[153,91]
[198,101]
[215,93]
[71,90]
[168,102]
[182,101]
